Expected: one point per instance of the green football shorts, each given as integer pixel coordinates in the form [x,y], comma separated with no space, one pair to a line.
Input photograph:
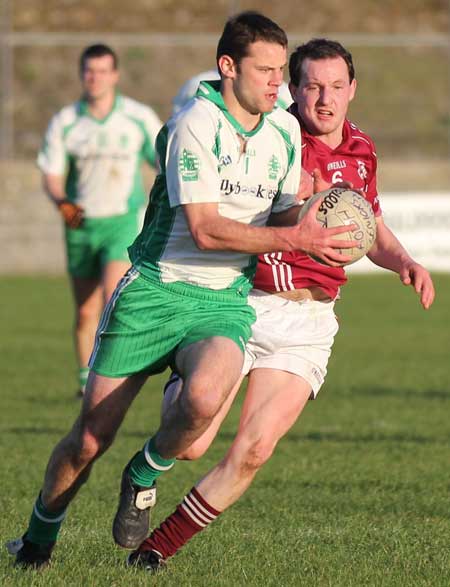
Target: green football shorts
[145,323]
[99,241]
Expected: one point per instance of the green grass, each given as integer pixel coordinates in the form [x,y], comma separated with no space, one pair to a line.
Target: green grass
[355,495]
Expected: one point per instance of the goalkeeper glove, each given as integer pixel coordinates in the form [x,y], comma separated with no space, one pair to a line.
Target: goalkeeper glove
[72,214]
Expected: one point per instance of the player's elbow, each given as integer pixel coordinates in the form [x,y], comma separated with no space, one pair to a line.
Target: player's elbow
[203,240]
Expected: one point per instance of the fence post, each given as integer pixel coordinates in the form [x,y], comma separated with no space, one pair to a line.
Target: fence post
[6,83]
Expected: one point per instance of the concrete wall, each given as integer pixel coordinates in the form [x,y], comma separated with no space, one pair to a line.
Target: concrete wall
[31,229]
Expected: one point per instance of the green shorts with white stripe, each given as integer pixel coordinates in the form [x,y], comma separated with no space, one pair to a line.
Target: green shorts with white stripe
[145,323]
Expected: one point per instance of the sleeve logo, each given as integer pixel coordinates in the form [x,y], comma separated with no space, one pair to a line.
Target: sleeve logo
[274,167]
[362,171]
[188,166]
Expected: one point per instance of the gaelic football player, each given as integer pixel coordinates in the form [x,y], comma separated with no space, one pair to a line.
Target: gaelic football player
[294,296]
[91,163]
[228,163]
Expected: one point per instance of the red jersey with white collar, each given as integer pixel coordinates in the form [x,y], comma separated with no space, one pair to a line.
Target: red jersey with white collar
[355,161]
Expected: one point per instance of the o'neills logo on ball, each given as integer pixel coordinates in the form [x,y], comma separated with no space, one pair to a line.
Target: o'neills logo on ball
[330,200]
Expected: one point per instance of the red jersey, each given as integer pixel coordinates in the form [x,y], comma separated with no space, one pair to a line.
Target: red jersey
[355,161]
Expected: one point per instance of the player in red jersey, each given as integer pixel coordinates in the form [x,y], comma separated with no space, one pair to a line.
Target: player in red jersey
[294,297]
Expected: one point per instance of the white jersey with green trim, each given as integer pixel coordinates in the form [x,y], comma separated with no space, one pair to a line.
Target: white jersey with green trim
[102,158]
[206,156]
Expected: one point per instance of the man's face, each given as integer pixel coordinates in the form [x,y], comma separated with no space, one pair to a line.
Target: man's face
[258,76]
[99,77]
[323,96]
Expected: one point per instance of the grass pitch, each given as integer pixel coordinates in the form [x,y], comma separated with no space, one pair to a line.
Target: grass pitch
[355,495]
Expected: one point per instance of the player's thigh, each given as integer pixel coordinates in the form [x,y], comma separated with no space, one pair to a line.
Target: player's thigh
[113,272]
[273,402]
[214,364]
[105,403]
[88,296]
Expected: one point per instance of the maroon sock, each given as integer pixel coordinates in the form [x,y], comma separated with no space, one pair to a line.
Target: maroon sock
[191,516]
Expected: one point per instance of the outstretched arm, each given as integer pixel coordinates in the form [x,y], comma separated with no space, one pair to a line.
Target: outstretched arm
[388,252]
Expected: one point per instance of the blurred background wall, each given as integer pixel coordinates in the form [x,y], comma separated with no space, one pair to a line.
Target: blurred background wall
[401,53]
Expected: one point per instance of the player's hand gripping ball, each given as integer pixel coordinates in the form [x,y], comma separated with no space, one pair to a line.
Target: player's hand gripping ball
[342,206]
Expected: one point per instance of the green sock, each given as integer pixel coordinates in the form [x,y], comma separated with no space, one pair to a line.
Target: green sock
[148,465]
[83,374]
[44,525]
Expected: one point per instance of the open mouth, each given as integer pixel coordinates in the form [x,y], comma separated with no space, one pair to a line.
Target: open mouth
[324,113]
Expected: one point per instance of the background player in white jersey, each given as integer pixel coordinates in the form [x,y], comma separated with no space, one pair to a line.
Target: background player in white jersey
[91,161]
[294,296]
[228,163]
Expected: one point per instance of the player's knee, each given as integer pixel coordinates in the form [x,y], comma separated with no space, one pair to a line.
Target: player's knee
[193,453]
[201,400]
[86,315]
[256,455]
[91,445]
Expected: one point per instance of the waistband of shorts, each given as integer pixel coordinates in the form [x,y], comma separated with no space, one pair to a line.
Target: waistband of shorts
[183,289]
[312,293]
[101,220]
[278,301]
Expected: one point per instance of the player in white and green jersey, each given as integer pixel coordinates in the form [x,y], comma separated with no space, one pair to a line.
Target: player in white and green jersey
[207,157]
[227,165]
[212,158]
[102,157]
[91,160]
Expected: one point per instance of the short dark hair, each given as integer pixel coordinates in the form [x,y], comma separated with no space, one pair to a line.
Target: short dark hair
[244,29]
[98,50]
[317,49]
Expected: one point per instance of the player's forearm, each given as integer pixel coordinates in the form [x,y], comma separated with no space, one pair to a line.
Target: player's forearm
[230,235]
[388,252]
[72,213]
[54,188]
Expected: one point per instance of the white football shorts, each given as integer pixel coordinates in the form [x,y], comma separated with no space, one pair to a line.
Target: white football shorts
[291,336]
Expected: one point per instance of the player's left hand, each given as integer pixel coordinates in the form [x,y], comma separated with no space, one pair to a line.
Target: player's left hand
[417,276]
[312,183]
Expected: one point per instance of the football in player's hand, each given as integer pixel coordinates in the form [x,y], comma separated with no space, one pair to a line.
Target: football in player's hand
[340,207]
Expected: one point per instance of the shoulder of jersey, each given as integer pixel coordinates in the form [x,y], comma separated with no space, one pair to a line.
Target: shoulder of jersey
[132,107]
[198,111]
[284,118]
[360,136]
[68,114]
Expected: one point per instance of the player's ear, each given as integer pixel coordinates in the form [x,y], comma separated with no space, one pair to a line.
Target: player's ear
[353,85]
[227,66]
[293,90]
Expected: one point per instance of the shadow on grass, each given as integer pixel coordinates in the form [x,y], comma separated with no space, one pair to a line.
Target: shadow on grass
[338,437]
[292,437]
[426,394]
